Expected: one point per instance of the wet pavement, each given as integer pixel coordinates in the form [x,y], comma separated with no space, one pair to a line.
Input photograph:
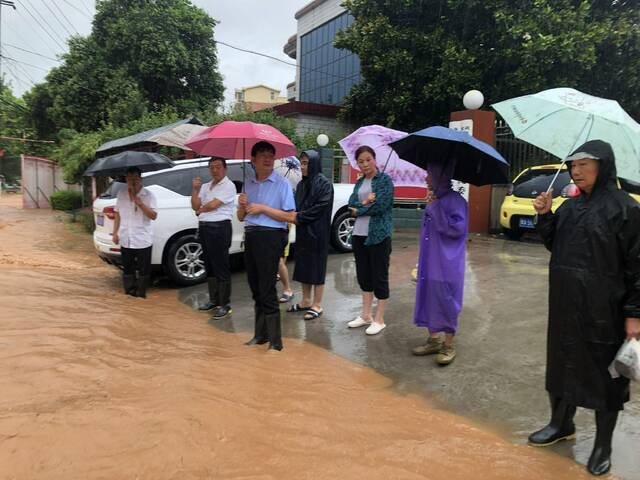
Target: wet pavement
[99,385]
[497,378]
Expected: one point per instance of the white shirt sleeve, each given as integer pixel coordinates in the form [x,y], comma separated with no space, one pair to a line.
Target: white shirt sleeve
[153,204]
[228,193]
[118,203]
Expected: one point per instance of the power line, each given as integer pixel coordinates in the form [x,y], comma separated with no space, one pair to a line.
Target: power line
[85,6]
[16,77]
[82,12]
[25,63]
[253,52]
[14,105]
[32,52]
[21,68]
[26,20]
[39,23]
[46,4]
[64,15]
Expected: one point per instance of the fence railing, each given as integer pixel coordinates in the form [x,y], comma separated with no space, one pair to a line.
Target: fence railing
[519,153]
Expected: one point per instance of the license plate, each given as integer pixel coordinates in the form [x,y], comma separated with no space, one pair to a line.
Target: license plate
[526,222]
[100,220]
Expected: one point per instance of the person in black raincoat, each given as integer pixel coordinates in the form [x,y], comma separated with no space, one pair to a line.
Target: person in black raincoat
[594,298]
[314,203]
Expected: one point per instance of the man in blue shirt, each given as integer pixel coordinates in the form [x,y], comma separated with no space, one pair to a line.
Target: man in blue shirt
[266,207]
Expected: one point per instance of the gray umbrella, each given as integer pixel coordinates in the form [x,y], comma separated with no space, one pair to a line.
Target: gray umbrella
[118,164]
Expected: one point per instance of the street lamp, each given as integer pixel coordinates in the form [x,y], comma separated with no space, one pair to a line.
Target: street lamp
[323,140]
[473,100]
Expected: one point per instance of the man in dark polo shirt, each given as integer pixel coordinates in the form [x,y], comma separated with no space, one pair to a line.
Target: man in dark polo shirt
[266,207]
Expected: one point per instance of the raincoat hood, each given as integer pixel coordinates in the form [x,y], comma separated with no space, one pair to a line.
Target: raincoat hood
[607,175]
[440,175]
[314,167]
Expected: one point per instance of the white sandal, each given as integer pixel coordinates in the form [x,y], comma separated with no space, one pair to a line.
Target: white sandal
[358,322]
[375,328]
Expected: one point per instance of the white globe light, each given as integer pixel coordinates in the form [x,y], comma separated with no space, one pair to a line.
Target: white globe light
[323,140]
[473,100]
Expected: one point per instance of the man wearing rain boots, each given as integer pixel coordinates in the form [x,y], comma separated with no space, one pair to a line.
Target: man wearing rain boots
[213,204]
[594,298]
[266,207]
[133,229]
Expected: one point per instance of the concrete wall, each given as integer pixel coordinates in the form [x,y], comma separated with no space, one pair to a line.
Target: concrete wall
[306,123]
[312,19]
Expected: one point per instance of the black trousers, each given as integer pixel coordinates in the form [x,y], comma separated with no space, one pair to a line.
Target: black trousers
[216,241]
[372,266]
[136,259]
[263,248]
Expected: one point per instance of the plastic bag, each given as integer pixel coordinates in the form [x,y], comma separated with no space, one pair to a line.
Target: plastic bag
[627,361]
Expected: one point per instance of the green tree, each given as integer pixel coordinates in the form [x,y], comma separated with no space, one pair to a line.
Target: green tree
[419,57]
[141,56]
[13,115]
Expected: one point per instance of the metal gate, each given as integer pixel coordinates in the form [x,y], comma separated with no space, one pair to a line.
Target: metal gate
[519,153]
[40,178]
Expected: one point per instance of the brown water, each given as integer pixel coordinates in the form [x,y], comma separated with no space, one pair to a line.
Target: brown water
[94,384]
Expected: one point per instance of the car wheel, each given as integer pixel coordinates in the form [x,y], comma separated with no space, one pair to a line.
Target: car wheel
[513,234]
[185,263]
[341,232]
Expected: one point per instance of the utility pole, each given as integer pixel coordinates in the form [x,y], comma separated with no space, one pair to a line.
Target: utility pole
[8,3]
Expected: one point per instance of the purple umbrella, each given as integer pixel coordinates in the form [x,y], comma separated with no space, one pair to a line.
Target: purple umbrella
[403,173]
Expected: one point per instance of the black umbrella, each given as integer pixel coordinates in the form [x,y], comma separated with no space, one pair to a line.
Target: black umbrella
[118,164]
[478,163]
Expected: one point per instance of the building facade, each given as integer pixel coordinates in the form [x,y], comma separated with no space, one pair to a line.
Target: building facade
[325,74]
[258,97]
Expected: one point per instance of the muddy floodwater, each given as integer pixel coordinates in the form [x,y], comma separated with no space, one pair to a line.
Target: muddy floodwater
[97,385]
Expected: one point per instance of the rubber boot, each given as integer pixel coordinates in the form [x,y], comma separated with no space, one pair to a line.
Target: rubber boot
[561,426]
[213,295]
[260,337]
[224,301]
[143,284]
[600,459]
[129,284]
[274,330]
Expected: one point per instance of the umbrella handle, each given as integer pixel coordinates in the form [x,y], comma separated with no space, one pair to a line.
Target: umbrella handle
[387,162]
[244,165]
[555,177]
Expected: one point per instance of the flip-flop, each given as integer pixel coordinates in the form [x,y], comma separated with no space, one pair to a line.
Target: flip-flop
[295,308]
[312,314]
[285,297]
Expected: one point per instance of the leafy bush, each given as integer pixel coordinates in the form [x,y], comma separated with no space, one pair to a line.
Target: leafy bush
[85,218]
[66,200]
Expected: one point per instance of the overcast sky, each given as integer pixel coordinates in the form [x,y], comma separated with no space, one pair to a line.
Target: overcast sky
[259,25]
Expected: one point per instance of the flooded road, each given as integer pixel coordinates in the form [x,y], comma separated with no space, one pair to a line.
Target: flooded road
[95,384]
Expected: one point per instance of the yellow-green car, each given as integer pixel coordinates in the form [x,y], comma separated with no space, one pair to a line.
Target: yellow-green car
[516,212]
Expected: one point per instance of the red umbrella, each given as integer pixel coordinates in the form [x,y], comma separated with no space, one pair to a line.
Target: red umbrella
[235,139]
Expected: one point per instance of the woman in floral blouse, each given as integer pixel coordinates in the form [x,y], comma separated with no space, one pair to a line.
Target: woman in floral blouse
[372,204]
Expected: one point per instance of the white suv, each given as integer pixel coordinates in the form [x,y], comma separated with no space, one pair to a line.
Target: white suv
[176,246]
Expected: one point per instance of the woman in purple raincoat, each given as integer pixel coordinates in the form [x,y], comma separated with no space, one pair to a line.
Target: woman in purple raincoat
[441,264]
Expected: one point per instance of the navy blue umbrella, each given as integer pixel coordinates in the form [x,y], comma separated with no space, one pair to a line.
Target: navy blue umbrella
[477,162]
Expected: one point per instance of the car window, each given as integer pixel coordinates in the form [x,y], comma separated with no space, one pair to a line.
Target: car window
[234,172]
[534,182]
[178,181]
[113,189]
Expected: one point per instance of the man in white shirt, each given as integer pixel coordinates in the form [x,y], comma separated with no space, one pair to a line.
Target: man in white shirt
[213,204]
[135,211]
